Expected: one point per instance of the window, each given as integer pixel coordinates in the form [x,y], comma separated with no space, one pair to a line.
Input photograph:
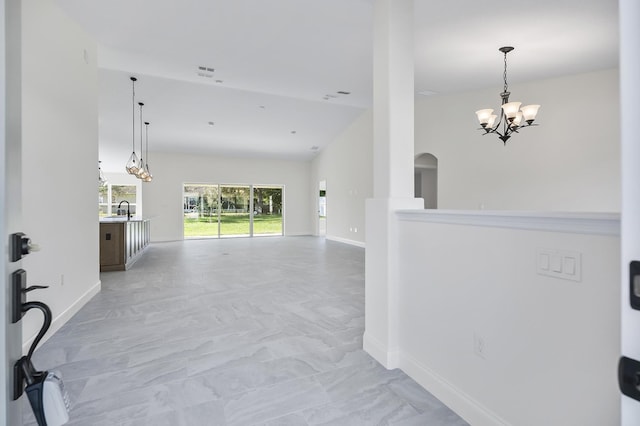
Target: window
[110,196]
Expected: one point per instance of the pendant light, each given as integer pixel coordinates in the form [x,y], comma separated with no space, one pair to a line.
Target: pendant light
[141,173]
[102,181]
[133,164]
[149,176]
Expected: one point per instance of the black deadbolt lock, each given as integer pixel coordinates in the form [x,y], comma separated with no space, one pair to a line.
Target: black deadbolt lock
[634,284]
[629,377]
[20,246]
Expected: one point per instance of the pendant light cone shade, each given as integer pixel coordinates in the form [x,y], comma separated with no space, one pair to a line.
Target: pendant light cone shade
[529,112]
[141,173]
[511,109]
[517,120]
[133,164]
[149,176]
[492,121]
[484,116]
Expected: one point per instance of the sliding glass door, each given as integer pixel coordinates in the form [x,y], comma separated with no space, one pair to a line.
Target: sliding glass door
[267,210]
[219,211]
[235,208]
[200,207]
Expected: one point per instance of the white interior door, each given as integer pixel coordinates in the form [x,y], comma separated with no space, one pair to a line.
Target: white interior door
[630,211]
[10,198]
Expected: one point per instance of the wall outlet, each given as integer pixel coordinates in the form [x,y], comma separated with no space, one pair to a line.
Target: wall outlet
[479,346]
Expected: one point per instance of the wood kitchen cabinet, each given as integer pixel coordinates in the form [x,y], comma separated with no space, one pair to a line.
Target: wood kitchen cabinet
[122,242]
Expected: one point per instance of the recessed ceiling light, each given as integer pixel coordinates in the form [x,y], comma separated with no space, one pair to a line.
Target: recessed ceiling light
[211,123]
[315,148]
[262,107]
[293,132]
[342,92]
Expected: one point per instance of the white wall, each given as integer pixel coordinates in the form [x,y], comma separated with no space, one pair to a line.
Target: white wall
[162,198]
[570,162]
[551,345]
[60,157]
[346,164]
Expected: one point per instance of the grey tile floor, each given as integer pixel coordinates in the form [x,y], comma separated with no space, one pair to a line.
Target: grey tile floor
[262,331]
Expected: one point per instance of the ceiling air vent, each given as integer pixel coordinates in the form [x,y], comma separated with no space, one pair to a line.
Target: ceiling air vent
[205,71]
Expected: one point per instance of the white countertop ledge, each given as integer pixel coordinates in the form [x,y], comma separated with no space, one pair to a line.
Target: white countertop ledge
[571,222]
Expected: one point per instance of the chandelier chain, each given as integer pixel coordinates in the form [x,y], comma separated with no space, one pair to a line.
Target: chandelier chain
[506,87]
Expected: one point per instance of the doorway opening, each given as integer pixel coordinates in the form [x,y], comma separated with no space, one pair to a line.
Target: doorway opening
[322,208]
[426,179]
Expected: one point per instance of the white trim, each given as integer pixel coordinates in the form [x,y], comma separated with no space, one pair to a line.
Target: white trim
[345,241]
[378,351]
[462,404]
[577,223]
[65,316]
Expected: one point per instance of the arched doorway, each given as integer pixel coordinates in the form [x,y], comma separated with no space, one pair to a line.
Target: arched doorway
[426,179]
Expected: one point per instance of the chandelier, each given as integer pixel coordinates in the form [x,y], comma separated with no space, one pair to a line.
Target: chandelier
[512,116]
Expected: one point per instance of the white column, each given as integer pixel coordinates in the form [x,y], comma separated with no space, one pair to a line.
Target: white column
[393,159]
[630,150]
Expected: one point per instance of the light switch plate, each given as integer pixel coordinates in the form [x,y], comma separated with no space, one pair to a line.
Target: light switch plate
[563,264]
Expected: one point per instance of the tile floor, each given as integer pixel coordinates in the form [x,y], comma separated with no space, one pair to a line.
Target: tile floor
[262,331]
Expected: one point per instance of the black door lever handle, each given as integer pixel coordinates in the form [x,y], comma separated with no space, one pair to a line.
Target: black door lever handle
[34,287]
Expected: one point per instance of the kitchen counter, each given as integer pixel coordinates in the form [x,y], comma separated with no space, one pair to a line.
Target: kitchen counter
[122,242]
[122,219]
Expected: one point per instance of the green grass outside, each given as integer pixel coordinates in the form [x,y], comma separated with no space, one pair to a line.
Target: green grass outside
[232,224]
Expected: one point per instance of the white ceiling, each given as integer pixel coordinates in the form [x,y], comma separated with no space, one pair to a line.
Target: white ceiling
[276,61]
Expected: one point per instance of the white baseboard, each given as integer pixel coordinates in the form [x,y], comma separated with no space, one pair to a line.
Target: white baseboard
[345,241]
[65,316]
[464,405]
[375,348]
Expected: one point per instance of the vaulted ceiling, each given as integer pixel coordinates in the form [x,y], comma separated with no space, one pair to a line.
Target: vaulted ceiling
[279,65]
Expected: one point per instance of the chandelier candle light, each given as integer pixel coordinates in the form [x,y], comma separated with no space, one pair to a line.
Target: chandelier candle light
[133,164]
[512,117]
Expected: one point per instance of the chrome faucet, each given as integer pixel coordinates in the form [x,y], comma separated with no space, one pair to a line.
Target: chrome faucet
[128,212]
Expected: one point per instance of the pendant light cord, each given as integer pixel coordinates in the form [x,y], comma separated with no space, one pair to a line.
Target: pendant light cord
[141,105]
[133,114]
[146,133]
